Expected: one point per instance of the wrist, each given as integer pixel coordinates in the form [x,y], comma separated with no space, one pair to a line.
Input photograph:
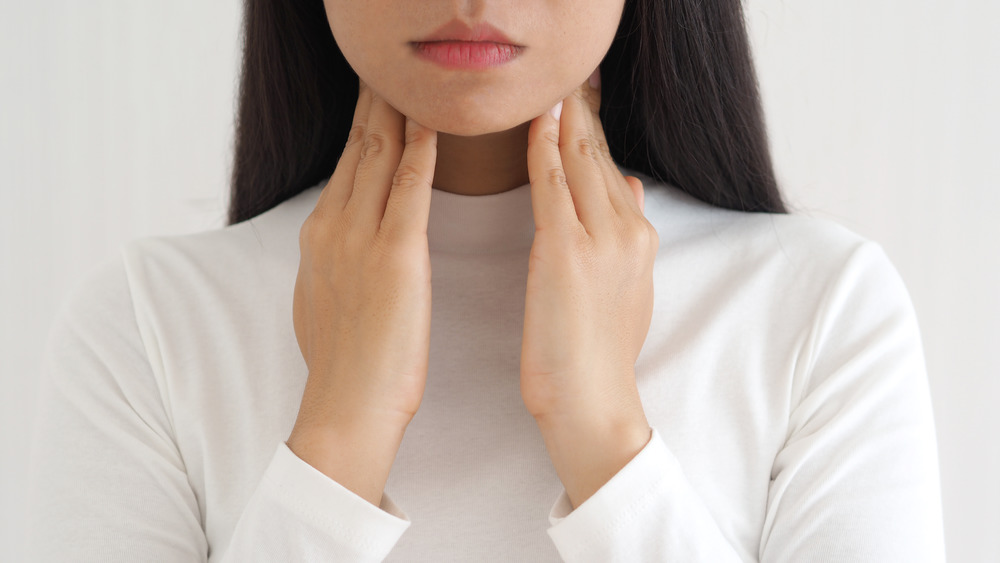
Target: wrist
[357,455]
[587,452]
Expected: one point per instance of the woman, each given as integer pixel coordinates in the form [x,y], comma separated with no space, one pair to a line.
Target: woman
[632,353]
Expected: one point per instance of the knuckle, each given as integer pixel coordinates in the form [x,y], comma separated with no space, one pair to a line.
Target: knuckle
[322,230]
[603,149]
[355,136]
[314,229]
[654,236]
[586,147]
[639,237]
[415,134]
[408,176]
[374,144]
[305,233]
[551,137]
[557,177]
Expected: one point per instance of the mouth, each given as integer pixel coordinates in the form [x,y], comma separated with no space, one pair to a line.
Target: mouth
[456,45]
[467,54]
[457,30]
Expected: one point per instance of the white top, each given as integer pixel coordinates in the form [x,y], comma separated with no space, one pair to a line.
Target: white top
[782,376]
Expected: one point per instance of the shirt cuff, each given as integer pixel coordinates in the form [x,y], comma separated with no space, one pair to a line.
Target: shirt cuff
[346,517]
[622,499]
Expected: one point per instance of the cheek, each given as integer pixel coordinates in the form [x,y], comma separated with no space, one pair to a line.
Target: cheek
[583,34]
[567,62]
[564,47]
[351,23]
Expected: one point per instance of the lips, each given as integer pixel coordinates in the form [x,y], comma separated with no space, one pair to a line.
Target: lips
[457,30]
[456,45]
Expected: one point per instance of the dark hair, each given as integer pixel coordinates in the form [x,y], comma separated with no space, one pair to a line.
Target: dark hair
[680,103]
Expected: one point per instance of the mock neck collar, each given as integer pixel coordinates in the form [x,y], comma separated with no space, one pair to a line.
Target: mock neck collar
[481,224]
[477,224]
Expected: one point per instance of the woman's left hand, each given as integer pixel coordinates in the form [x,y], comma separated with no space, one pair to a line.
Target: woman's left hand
[589,299]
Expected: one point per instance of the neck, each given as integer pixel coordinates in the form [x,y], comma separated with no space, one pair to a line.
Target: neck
[484,164]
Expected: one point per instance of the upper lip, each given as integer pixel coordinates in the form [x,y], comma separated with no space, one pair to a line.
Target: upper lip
[457,30]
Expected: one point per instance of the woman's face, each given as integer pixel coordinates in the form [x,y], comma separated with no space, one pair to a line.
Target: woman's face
[563,42]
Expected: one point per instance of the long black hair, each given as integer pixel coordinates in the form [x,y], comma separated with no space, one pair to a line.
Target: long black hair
[680,103]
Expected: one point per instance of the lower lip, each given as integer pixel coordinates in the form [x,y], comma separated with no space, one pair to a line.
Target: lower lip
[467,54]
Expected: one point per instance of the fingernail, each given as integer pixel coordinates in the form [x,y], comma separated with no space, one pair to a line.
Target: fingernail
[556,110]
[595,79]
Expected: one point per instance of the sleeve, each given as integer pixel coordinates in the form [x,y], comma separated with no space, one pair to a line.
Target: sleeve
[646,512]
[856,480]
[107,480]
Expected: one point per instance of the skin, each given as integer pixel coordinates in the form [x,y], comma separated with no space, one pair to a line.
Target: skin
[482,117]
[589,294]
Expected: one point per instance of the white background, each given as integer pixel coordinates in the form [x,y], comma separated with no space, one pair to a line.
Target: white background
[116,122]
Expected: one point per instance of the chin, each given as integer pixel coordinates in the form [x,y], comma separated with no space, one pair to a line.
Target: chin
[465,115]
[467,112]
[470,124]
[468,131]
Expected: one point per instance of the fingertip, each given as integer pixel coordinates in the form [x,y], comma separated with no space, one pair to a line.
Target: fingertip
[556,110]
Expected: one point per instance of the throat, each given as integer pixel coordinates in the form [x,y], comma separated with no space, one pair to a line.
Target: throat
[484,164]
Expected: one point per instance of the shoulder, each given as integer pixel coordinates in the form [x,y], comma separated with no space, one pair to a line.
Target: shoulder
[271,235]
[834,294]
[809,248]
[172,275]
[114,319]
[100,298]
[681,216]
[811,272]
[94,355]
[252,254]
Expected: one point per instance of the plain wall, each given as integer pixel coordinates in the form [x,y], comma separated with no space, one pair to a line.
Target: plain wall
[116,122]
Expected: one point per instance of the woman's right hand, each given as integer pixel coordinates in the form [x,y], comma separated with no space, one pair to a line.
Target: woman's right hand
[362,302]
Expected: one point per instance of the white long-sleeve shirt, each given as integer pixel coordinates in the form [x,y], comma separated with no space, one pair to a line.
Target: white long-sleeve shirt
[782,376]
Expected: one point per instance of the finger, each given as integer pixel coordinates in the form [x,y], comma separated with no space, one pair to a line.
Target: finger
[592,92]
[579,148]
[551,202]
[334,196]
[409,203]
[381,150]
[619,191]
